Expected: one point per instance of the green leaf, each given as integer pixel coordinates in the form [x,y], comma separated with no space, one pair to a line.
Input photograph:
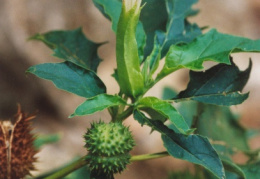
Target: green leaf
[189,111]
[193,148]
[168,93]
[212,46]
[141,40]
[167,110]
[151,63]
[46,139]
[154,57]
[71,78]
[154,114]
[153,17]
[220,85]
[214,119]
[251,170]
[110,9]
[129,73]
[167,22]
[178,29]
[98,103]
[72,46]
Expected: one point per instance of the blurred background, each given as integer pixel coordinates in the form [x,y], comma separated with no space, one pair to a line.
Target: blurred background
[20,19]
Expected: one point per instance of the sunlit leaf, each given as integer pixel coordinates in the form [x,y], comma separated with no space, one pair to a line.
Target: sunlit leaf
[212,46]
[98,103]
[167,110]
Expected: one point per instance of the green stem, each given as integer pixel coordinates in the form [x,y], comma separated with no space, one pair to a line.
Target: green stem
[149,156]
[147,88]
[82,162]
[125,114]
[67,170]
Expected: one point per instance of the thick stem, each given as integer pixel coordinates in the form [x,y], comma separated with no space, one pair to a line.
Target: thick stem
[124,114]
[67,170]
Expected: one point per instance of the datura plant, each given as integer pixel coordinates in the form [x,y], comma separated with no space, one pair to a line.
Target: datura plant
[201,129]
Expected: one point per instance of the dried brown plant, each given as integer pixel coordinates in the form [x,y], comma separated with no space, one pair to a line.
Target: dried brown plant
[17,151]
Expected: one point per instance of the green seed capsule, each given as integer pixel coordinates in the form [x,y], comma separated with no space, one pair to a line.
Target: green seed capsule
[109,146]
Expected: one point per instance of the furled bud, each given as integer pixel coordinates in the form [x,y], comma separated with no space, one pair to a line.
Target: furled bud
[128,63]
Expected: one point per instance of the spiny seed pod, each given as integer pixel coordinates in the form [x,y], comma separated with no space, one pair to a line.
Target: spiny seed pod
[17,150]
[108,146]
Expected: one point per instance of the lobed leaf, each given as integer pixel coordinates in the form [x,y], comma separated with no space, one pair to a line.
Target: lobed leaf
[166,110]
[167,22]
[110,9]
[98,103]
[72,46]
[212,46]
[178,29]
[220,85]
[71,78]
[165,19]
[153,17]
[193,148]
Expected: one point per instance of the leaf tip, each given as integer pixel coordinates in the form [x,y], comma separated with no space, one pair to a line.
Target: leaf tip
[36,37]
[31,70]
[190,131]
[72,115]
